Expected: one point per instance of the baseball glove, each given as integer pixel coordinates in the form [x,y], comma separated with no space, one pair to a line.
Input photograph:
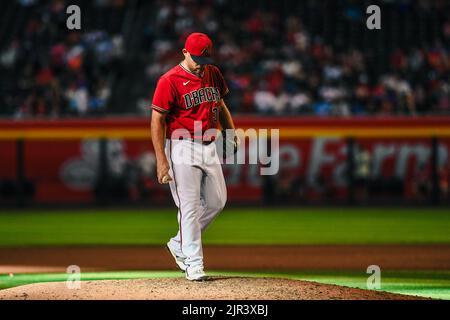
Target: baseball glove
[227,144]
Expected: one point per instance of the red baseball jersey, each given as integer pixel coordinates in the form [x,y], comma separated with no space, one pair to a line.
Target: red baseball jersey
[186,98]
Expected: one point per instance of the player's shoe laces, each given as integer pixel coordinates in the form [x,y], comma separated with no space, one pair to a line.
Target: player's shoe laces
[178,260]
[196,273]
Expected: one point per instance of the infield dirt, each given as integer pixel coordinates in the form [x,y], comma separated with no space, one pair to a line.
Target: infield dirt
[318,257]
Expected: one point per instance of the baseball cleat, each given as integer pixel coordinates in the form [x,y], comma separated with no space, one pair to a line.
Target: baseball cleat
[178,260]
[196,273]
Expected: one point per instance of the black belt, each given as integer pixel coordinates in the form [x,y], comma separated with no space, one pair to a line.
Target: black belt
[197,140]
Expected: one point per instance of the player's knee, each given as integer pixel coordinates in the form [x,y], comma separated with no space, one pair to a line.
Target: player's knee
[222,203]
[218,205]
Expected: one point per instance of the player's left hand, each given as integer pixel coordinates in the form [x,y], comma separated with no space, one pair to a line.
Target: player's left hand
[237,143]
[229,143]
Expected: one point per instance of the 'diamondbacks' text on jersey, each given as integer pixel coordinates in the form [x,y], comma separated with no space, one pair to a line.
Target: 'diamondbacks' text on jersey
[186,98]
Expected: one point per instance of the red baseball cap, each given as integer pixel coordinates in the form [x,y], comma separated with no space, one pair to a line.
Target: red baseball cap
[199,45]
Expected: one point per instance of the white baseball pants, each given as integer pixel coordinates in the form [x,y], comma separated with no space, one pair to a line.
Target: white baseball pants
[199,191]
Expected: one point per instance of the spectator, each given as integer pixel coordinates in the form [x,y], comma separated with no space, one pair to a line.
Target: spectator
[276,59]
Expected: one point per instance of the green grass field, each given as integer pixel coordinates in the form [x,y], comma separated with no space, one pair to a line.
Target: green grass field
[241,226]
[233,226]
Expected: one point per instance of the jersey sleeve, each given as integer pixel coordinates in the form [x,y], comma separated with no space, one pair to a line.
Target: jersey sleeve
[164,97]
[223,87]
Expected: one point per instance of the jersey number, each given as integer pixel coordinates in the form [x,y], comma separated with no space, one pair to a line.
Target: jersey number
[215,111]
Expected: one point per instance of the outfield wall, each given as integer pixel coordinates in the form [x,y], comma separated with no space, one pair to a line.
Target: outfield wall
[64,161]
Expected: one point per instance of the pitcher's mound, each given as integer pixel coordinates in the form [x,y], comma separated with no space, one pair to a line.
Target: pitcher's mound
[225,288]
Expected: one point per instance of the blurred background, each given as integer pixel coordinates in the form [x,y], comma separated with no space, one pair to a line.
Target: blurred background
[364,115]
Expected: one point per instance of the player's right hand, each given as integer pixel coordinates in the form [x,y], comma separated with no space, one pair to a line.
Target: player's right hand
[162,169]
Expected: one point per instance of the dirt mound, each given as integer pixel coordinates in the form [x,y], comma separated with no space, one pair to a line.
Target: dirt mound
[216,288]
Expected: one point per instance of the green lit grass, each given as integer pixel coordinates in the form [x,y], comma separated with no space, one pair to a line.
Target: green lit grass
[7,281]
[431,284]
[233,226]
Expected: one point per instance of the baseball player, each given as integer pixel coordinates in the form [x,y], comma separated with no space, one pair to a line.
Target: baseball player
[189,95]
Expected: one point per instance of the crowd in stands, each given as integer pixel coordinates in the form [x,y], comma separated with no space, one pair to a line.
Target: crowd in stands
[274,60]
[274,65]
[50,71]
